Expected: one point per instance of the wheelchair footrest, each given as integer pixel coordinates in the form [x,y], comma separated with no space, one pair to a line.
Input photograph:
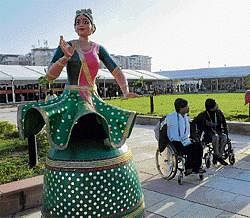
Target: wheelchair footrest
[188,172]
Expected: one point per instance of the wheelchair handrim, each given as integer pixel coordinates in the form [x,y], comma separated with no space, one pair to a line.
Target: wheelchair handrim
[173,172]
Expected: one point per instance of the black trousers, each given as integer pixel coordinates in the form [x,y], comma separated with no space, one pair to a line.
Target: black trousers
[219,142]
[194,154]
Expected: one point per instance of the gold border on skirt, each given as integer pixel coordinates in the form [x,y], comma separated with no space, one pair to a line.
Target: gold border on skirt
[92,164]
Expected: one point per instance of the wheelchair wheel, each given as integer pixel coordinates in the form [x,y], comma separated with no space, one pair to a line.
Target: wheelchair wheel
[166,162]
[231,159]
[207,160]
[227,150]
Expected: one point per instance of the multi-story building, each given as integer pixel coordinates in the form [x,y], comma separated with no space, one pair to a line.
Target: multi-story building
[24,59]
[139,62]
[41,56]
[14,59]
[121,61]
[133,62]
[9,59]
[37,57]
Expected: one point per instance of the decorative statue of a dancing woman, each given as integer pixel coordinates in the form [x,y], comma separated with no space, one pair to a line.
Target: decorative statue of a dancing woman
[89,170]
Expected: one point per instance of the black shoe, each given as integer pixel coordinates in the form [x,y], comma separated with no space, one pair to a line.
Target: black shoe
[222,162]
[202,170]
[199,171]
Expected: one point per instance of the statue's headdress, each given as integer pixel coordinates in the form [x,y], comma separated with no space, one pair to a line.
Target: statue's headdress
[87,13]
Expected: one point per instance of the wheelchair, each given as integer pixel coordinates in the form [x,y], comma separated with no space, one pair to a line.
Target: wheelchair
[208,147]
[227,154]
[168,160]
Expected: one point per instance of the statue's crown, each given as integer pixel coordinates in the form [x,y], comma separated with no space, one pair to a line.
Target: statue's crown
[85,12]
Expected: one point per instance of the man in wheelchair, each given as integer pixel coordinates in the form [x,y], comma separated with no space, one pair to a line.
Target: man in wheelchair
[178,132]
[212,124]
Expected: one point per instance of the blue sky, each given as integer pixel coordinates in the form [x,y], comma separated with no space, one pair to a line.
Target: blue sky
[177,34]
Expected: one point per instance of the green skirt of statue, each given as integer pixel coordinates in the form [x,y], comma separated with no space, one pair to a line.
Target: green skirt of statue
[65,112]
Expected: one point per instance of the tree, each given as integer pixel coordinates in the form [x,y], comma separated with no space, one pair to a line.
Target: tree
[43,81]
[139,82]
[43,85]
[247,82]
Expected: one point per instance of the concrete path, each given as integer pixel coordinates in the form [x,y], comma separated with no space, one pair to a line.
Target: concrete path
[8,113]
[224,192]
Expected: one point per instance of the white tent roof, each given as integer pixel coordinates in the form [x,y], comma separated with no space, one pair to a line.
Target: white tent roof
[4,76]
[19,72]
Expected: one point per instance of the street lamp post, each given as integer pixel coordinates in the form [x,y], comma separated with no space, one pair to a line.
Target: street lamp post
[6,95]
[104,87]
[13,90]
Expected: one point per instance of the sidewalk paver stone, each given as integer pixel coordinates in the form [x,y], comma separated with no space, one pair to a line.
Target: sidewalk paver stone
[152,198]
[198,211]
[170,207]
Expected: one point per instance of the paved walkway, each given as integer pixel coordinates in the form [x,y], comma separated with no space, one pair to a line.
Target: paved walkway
[224,192]
[8,113]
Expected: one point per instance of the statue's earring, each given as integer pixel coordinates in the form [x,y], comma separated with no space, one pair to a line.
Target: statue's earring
[93,28]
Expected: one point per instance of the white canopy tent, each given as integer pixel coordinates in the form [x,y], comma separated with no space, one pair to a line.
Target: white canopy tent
[11,75]
[32,73]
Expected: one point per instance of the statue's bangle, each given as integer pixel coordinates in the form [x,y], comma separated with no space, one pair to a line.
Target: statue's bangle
[63,61]
[50,76]
[60,64]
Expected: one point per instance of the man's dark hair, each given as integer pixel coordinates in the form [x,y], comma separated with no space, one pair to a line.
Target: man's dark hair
[210,104]
[180,103]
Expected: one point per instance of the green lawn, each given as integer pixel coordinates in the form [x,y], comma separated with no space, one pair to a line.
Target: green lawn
[232,104]
[14,154]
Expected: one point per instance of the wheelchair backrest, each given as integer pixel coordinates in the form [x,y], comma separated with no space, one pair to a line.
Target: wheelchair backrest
[195,133]
[161,133]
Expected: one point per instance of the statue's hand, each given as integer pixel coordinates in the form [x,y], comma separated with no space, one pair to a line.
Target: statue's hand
[66,48]
[131,95]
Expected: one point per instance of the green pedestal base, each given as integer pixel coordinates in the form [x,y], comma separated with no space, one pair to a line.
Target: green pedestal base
[106,187]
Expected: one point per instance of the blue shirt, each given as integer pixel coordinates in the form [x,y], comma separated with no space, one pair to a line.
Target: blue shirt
[178,128]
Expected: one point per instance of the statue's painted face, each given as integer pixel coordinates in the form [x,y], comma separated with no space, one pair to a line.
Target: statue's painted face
[83,26]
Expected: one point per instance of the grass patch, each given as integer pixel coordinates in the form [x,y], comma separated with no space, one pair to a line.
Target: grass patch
[10,145]
[14,155]
[232,104]
[15,167]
